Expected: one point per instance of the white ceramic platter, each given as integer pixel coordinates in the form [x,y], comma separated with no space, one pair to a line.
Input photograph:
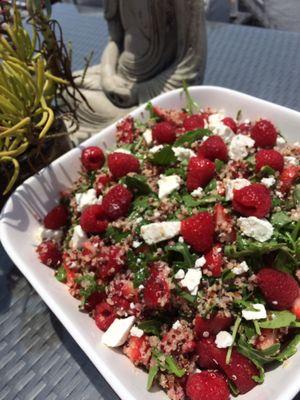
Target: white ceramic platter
[18,226]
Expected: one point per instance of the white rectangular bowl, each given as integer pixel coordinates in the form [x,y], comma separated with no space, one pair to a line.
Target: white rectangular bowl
[18,225]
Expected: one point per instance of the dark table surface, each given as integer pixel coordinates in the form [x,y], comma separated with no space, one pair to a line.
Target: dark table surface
[38,358]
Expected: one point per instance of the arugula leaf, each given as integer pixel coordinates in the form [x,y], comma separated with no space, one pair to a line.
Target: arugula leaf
[191,106]
[192,136]
[280,319]
[289,350]
[256,356]
[167,363]
[153,371]
[163,157]
[182,248]
[211,186]
[115,234]
[190,201]
[61,275]
[173,368]
[137,185]
[149,108]
[88,286]
[296,195]
[280,219]
[185,295]
[227,275]
[141,275]
[266,171]
[253,248]
[219,165]
[151,326]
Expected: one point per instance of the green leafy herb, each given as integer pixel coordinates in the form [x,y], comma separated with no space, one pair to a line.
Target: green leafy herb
[296,195]
[173,368]
[234,333]
[183,250]
[280,219]
[211,186]
[153,371]
[141,275]
[289,350]
[238,115]
[190,201]
[61,275]
[88,286]
[192,106]
[219,165]
[279,319]
[153,115]
[192,136]
[266,171]
[115,234]
[252,248]
[152,326]
[185,295]
[137,185]
[164,157]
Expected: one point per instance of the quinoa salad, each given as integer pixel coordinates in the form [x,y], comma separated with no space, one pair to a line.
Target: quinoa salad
[183,244]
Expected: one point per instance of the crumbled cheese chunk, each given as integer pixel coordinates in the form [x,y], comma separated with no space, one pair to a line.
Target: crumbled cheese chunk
[183,153]
[179,274]
[235,184]
[180,239]
[176,325]
[159,231]
[239,147]
[49,234]
[86,199]
[118,332]
[200,262]
[258,229]
[219,128]
[147,135]
[269,182]
[136,244]
[259,313]
[197,192]
[167,184]
[289,160]
[191,280]
[78,238]
[280,141]
[120,150]
[157,148]
[137,332]
[240,268]
[224,339]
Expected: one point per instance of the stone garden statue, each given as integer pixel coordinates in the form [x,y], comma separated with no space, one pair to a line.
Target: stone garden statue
[153,45]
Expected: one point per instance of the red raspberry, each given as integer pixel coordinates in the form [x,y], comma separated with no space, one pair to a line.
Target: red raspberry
[213,147]
[296,308]
[112,260]
[288,177]
[93,219]
[56,218]
[157,290]
[123,294]
[164,132]
[125,131]
[230,122]
[207,385]
[240,370]
[92,158]
[121,164]
[214,260]
[137,349]
[279,288]
[49,254]
[214,325]
[198,231]
[100,183]
[253,200]
[104,315]
[193,122]
[264,134]
[244,128]
[200,173]
[116,202]
[94,299]
[270,158]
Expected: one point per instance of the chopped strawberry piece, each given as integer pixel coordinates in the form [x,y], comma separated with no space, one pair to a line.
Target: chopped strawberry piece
[198,231]
[164,132]
[124,294]
[116,202]
[217,323]
[288,177]
[121,164]
[214,260]
[49,254]
[296,307]
[93,219]
[279,288]
[199,173]
[94,299]
[266,339]
[193,122]
[253,200]
[104,315]
[102,180]
[224,223]
[92,158]
[244,128]
[56,218]
[207,385]
[240,370]
[112,260]
[125,131]
[230,122]
[270,158]
[172,116]
[213,148]
[137,349]
[157,291]
[264,134]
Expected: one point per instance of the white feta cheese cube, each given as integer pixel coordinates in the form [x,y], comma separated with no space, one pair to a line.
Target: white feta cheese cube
[217,126]
[137,332]
[159,231]
[118,332]
[200,262]
[86,199]
[235,184]
[259,313]
[49,234]
[198,193]
[120,150]
[240,268]
[179,274]
[289,160]
[239,147]
[136,244]
[78,238]
[280,142]
[176,325]
[258,229]
[167,184]
[183,153]
[224,339]
[268,182]
[147,135]
[192,280]
[155,149]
